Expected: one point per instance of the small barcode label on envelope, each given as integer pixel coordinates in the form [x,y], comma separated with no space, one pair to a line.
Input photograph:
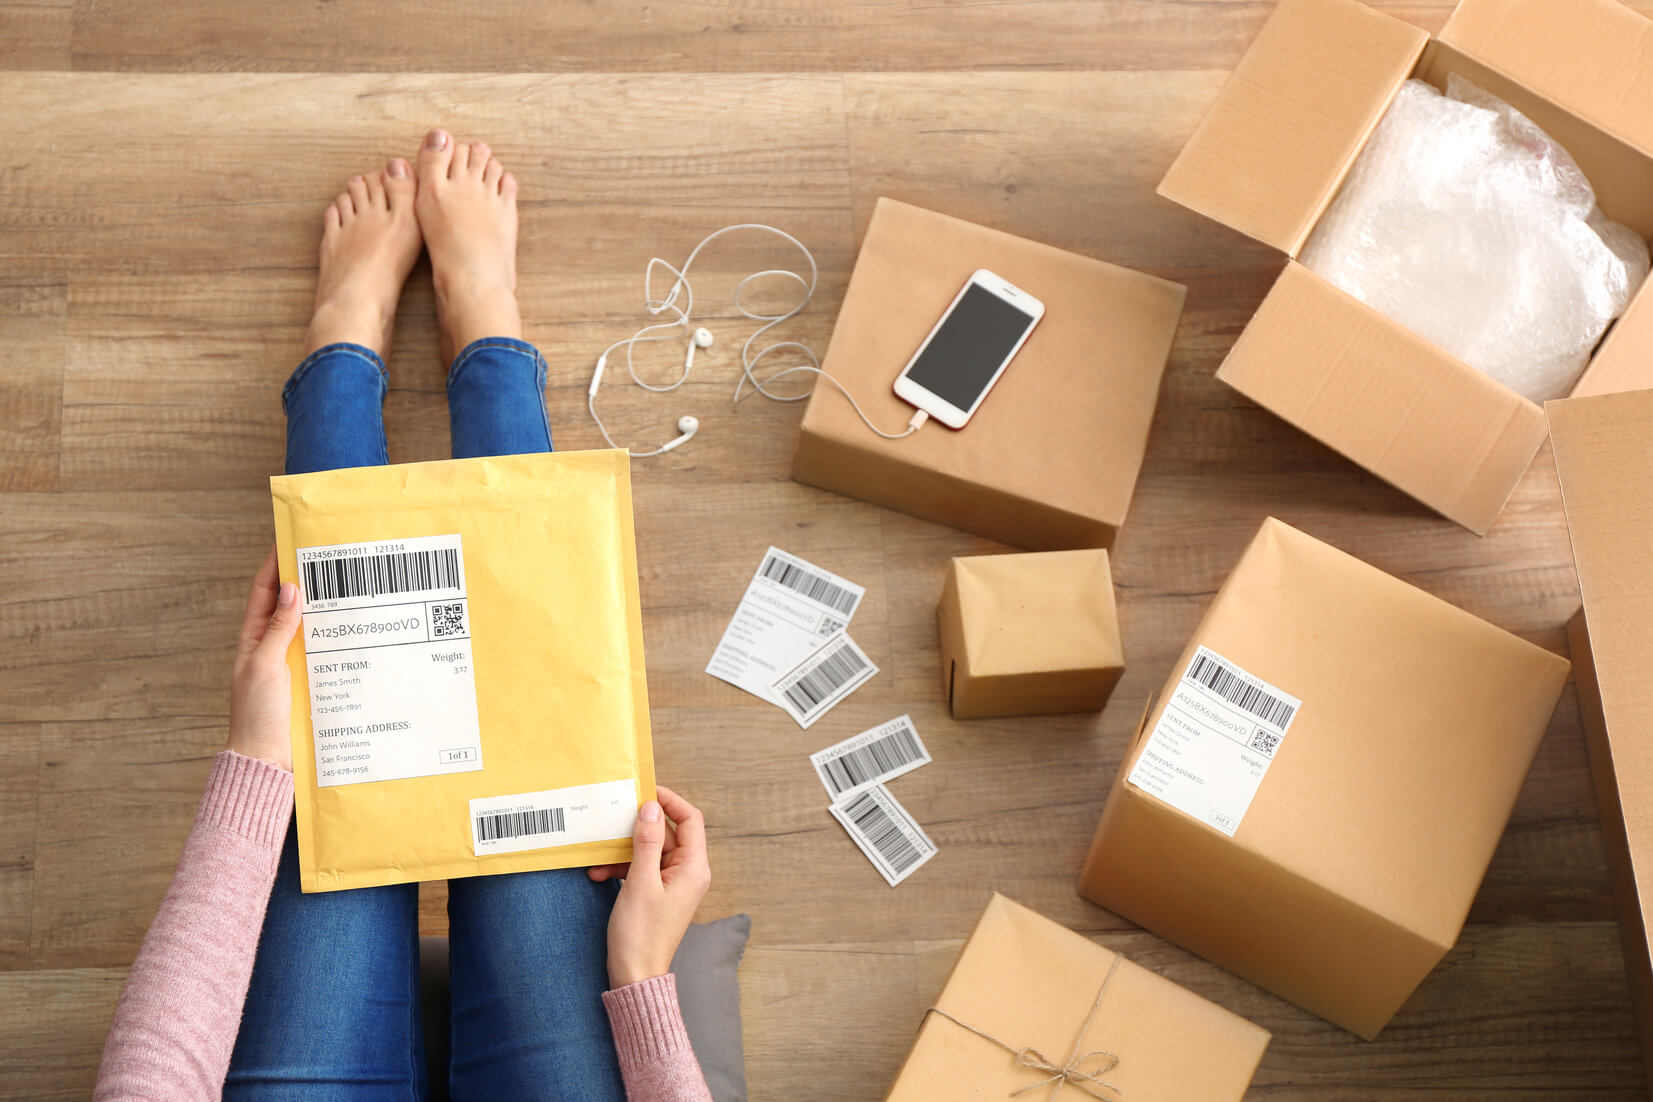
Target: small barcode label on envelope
[881,827]
[872,757]
[555,817]
[810,689]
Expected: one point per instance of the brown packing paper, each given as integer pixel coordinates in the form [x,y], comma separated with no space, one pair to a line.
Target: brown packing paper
[1051,458]
[1273,151]
[1351,873]
[1029,634]
[1604,462]
[1066,1005]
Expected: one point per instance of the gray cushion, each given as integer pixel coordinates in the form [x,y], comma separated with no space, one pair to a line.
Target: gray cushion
[709,992]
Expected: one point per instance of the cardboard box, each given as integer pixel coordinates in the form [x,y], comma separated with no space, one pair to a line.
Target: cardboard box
[1029,998]
[1274,149]
[1327,772]
[1050,459]
[1603,456]
[1029,634]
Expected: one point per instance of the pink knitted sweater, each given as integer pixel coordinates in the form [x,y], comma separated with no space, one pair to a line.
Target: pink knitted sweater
[175,1025]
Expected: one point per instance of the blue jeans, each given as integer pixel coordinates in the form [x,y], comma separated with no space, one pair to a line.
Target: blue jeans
[333,1008]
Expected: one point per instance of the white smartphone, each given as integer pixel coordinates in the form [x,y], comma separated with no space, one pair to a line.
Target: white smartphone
[969,348]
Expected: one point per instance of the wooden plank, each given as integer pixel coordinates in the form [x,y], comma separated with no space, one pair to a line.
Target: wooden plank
[1070,159]
[705,35]
[52,1025]
[35,34]
[116,802]
[33,312]
[19,799]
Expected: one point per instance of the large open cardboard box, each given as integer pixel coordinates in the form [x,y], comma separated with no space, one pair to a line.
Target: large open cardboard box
[1604,457]
[1273,151]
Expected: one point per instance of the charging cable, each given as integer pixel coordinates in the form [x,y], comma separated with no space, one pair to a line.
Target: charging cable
[678,303]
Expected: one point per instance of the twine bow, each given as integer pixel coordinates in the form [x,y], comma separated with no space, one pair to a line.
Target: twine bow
[1072,1073]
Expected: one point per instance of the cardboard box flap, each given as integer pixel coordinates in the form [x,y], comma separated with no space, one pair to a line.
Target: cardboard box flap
[1386,398]
[1604,459]
[1587,56]
[1275,146]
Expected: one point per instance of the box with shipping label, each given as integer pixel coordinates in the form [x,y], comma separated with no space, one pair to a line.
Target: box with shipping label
[1032,1008]
[1328,771]
[468,686]
[1029,634]
[1603,458]
[1272,153]
[1050,459]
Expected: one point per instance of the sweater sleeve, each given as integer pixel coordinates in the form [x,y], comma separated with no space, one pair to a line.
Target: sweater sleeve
[175,1025]
[656,1059]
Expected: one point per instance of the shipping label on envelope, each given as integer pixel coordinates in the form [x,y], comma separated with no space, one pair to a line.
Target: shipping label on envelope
[469,694]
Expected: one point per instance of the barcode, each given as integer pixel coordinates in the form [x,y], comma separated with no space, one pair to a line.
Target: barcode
[875,759]
[809,583]
[881,832]
[519,824]
[372,575]
[1217,676]
[816,686]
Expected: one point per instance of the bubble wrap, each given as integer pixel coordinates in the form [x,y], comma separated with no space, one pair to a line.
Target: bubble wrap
[1466,223]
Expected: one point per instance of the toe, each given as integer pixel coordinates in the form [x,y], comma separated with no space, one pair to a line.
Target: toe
[480,155]
[399,184]
[357,190]
[376,191]
[461,158]
[491,174]
[330,217]
[508,186]
[434,155]
[346,209]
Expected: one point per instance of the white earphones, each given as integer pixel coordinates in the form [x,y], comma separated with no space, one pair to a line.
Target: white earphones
[702,338]
[687,426]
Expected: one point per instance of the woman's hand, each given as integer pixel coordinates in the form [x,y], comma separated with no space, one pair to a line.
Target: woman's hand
[665,882]
[261,700]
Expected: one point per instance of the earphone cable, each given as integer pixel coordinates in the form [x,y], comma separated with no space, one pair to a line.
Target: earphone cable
[748,359]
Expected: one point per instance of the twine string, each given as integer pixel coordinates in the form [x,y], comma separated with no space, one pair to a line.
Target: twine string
[1072,1073]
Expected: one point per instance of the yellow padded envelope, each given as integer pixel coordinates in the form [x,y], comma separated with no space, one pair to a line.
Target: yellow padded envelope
[469,694]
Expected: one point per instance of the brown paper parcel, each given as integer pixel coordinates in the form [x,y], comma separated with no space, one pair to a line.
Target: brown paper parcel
[1050,459]
[1033,985]
[1350,874]
[1029,634]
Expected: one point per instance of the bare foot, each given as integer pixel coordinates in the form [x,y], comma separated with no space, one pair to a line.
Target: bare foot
[369,241]
[467,209]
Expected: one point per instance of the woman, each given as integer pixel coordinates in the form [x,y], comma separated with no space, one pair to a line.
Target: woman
[247,989]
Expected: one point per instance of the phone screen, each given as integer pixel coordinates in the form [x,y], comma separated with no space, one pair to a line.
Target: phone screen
[970,347]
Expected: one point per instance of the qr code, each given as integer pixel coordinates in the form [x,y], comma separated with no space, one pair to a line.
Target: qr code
[1265,741]
[829,626]
[447,620]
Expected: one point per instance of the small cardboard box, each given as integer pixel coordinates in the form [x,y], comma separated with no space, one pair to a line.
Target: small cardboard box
[1270,156]
[1029,999]
[1604,458]
[1327,773]
[1050,459]
[1030,634]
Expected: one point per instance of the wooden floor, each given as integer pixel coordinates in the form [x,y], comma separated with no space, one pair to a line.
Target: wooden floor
[164,170]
